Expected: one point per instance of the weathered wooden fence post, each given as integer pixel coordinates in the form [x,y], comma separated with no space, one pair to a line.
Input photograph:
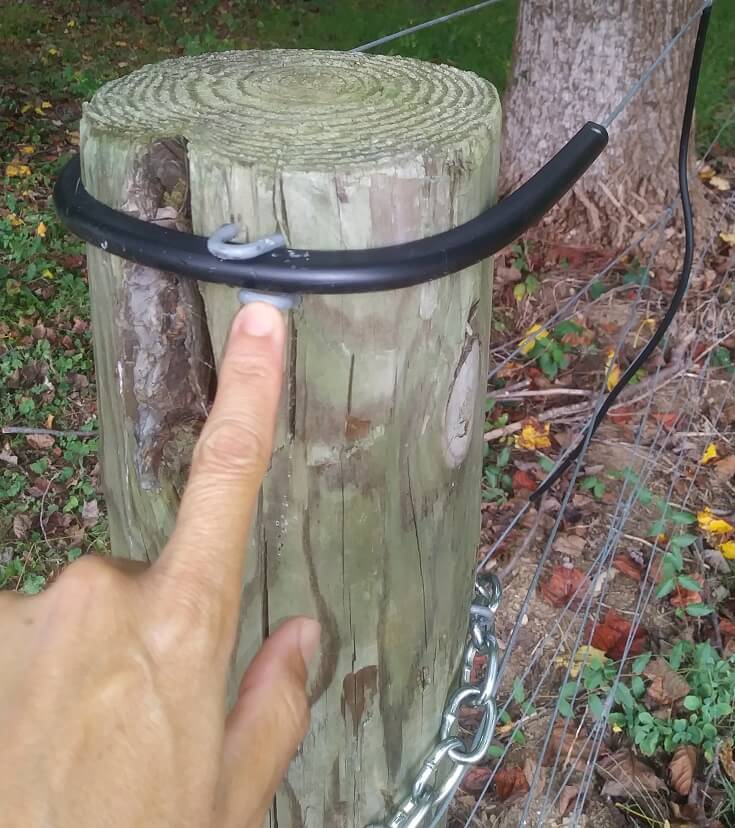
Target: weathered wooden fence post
[369,516]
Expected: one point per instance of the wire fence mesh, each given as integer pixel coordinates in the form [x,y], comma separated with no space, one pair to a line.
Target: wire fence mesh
[562,692]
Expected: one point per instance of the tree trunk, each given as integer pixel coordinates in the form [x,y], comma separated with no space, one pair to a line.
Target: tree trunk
[369,516]
[573,61]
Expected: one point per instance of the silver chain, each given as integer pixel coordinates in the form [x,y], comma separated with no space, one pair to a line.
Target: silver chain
[444,766]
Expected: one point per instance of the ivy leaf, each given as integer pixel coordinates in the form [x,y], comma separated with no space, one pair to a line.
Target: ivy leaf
[640,662]
[698,610]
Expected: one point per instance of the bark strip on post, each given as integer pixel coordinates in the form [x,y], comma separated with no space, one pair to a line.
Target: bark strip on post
[369,516]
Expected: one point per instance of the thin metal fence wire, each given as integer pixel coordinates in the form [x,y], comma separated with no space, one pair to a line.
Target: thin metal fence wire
[583,610]
[604,558]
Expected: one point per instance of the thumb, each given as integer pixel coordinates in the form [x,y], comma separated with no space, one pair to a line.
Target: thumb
[268,722]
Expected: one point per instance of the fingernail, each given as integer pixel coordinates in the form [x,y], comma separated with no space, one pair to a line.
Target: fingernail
[257,319]
[309,636]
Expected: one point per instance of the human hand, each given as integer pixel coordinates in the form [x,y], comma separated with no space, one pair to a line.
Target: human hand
[113,681]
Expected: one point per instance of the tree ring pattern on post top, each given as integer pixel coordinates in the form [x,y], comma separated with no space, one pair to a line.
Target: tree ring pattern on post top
[302,109]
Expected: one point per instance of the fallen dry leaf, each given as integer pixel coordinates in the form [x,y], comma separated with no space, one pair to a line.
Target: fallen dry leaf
[711,524]
[709,454]
[728,238]
[90,513]
[530,770]
[622,414]
[612,633]
[728,550]
[682,768]
[667,419]
[523,480]
[8,458]
[567,798]
[568,544]
[725,469]
[726,761]
[563,583]
[612,370]
[572,745]
[624,564]
[21,525]
[509,781]
[682,597]
[475,779]
[533,334]
[727,627]
[666,686]
[40,441]
[627,776]
[533,435]
[719,183]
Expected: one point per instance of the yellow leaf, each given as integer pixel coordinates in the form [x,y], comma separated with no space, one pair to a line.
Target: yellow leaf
[15,221]
[586,654]
[728,238]
[709,523]
[533,334]
[53,52]
[613,371]
[47,274]
[45,105]
[728,550]
[50,421]
[706,172]
[27,149]
[17,170]
[38,110]
[25,108]
[616,728]
[710,453]
[532,438]
[41,230]
[719,183]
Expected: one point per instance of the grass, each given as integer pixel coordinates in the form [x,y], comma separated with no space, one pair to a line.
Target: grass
[53,56]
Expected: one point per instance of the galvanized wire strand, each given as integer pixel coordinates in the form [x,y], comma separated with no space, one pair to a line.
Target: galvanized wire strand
[568,307]
[612,542]
[644,599]
[445,18]
[723,126]
[583,626]
[608,119]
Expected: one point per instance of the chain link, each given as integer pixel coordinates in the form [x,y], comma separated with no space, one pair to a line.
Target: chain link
[450,758]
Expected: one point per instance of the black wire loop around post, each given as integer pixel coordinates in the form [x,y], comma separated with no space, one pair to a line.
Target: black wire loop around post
[330,271]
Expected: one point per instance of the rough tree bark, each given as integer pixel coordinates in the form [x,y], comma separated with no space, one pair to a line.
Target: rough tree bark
[573,61]
[369,516]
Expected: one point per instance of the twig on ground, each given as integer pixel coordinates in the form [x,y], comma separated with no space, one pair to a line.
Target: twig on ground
[50,431]
[502,394]
[507,570]
[551,414]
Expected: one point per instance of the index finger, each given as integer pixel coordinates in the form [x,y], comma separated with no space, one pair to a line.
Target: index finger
[230,458]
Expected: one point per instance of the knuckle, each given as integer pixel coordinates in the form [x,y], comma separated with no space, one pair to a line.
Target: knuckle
[234,446]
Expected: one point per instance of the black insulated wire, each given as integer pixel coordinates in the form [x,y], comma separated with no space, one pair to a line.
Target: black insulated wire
[330,271]
[686,269]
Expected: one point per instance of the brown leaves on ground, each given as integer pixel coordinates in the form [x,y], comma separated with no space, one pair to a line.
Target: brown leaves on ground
[569,544]
[567,798]
[612,633]
[624,564]
[626,776]
[510,781]
[667,686]
[40,441]
[475,779]
[571,743]
[522,480]
[682,768]
[562,584]
[727,763]
[21,525]
[682,597]
[725,469]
